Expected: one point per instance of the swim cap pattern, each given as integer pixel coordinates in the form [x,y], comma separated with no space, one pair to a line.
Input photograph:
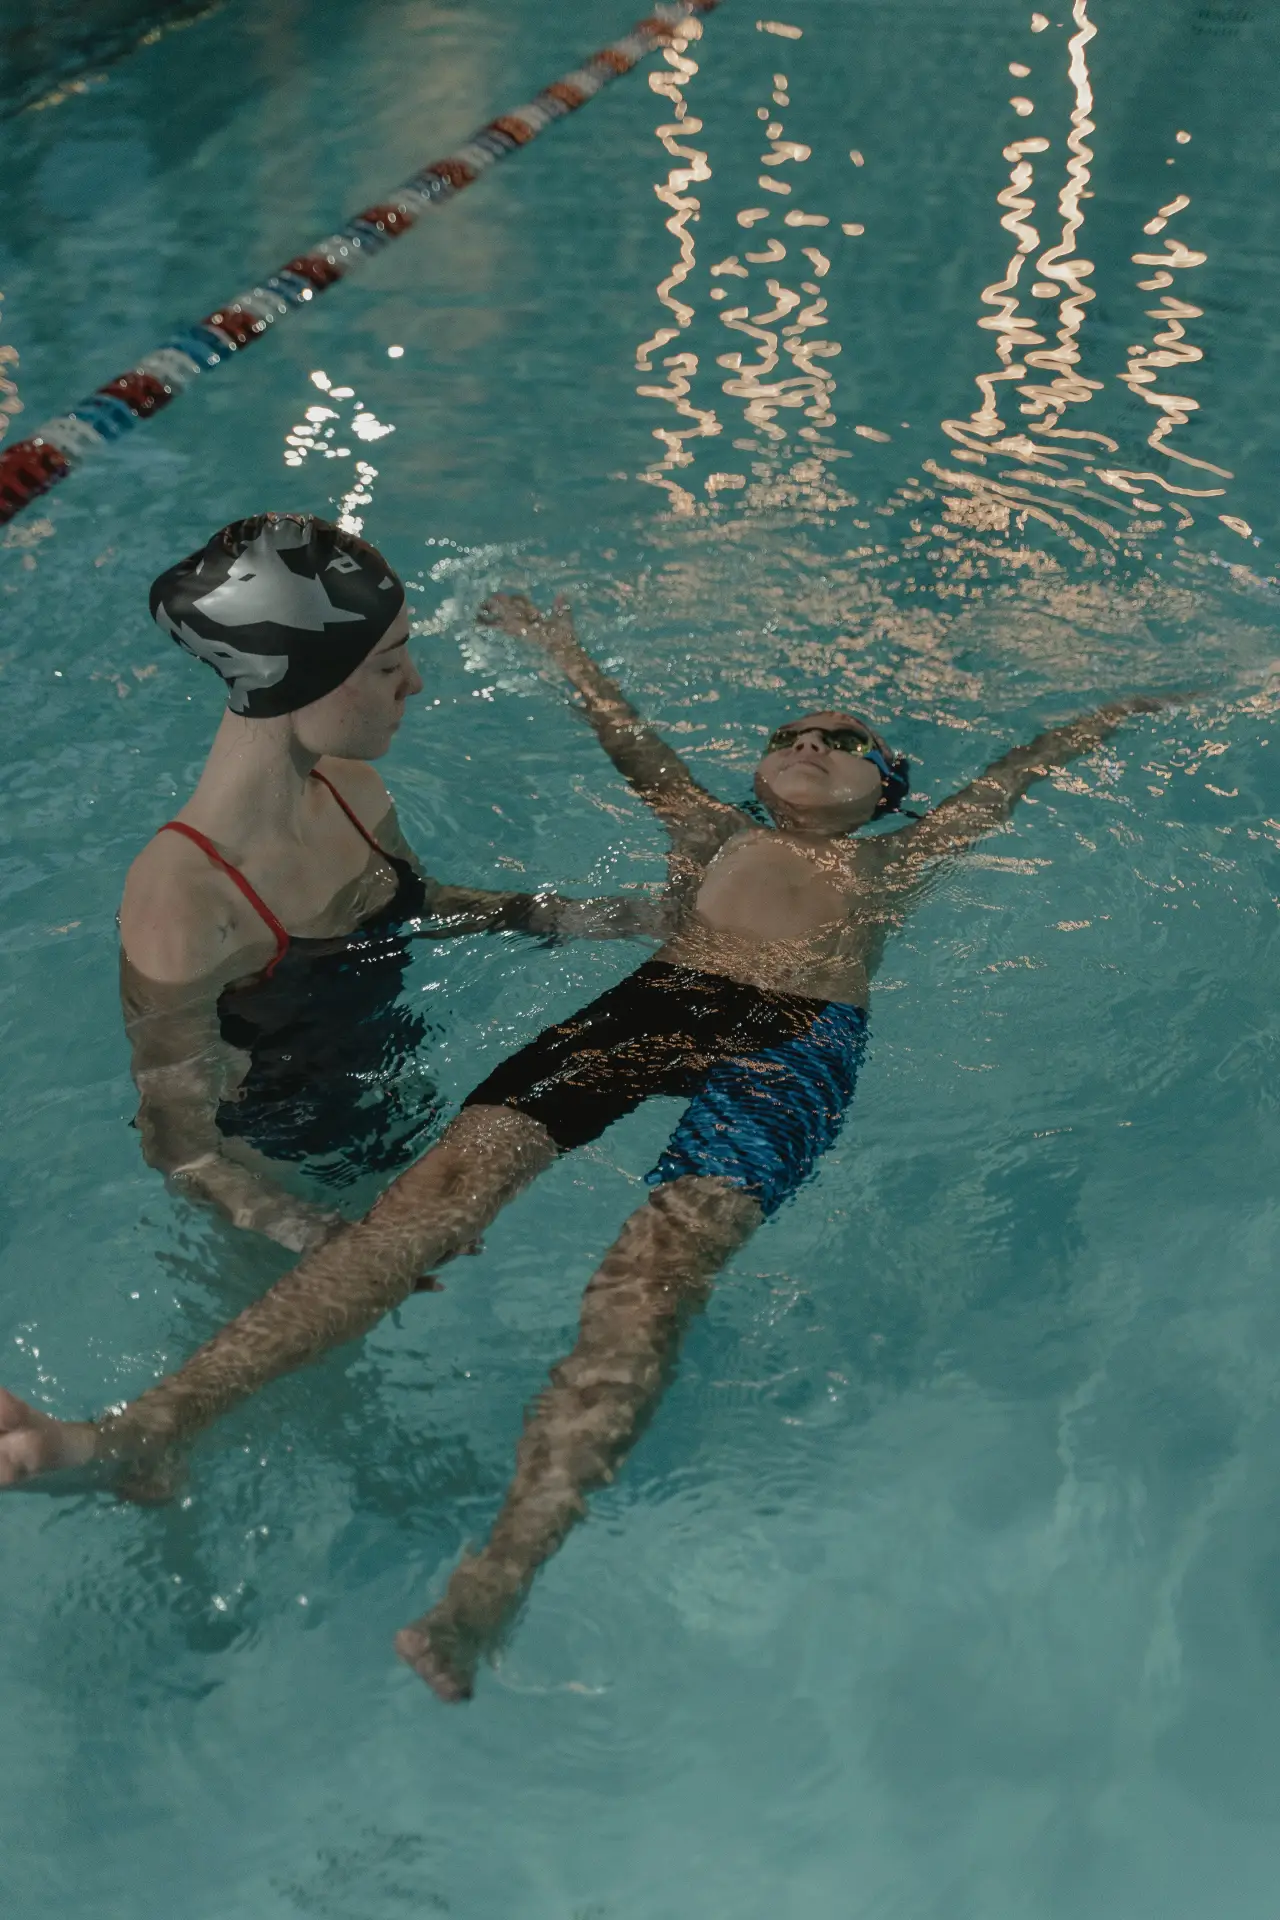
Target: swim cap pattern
[283,606]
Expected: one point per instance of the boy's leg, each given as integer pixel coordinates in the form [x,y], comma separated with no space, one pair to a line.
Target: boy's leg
[434,1210]
[656,1274]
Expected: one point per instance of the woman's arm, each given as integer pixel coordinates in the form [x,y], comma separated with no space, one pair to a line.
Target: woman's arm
[183,1070]
[458,910]
[182,941]
[988,801]
[641,756]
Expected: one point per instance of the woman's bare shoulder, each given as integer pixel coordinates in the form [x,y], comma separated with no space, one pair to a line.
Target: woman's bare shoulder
[181,918]
[366,794]
[360,785]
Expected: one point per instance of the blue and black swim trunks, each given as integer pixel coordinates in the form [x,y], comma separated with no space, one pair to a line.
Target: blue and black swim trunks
[768,1076]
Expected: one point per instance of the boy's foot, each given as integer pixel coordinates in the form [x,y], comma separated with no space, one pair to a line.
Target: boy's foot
[436,1656]
[34,1443]
[445,1647]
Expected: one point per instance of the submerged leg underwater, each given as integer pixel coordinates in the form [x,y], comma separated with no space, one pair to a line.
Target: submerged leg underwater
[929,1523]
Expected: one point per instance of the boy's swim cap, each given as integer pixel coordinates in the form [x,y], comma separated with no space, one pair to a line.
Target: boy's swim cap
[895,780]
[283,606]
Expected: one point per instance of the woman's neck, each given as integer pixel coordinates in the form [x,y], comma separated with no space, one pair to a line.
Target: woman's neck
[256,782]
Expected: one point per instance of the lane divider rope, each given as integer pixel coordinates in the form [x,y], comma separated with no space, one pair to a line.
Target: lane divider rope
[32,466]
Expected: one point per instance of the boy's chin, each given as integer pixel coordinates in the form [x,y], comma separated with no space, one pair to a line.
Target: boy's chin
[808,817]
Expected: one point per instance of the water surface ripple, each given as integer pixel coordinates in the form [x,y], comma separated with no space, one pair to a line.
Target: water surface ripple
[914,358]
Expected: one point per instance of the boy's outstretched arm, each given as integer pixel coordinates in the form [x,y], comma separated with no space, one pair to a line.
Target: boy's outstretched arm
[641,756]
[989,800]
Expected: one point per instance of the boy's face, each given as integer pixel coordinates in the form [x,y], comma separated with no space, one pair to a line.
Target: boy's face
[804,782]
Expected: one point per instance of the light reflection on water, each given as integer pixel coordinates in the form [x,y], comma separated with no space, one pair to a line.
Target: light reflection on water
[943,1583]
[1050,470]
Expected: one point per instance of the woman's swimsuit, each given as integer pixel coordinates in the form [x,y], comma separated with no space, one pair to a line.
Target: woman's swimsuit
[333,1081]
[768,1076]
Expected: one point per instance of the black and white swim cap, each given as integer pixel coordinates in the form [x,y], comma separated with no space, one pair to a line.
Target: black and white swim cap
[283,606]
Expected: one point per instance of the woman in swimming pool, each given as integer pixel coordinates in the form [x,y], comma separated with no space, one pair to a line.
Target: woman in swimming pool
[264,930]
[754,1012]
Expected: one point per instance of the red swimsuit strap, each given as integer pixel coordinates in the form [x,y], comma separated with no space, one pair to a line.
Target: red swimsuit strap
[255,900]
[352,816]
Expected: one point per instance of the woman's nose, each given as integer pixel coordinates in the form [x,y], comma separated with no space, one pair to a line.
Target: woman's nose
[414,685]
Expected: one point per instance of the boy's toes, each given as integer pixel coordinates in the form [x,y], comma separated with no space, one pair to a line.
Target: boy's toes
[32,1443]
[19,1458]
[448,1679]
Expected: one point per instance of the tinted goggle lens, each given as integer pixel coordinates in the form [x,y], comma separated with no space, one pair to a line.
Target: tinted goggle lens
[839,739]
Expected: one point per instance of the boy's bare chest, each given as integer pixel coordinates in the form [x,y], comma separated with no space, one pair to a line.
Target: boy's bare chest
[768,887]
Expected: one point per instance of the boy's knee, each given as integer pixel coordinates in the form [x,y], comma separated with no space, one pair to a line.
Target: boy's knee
[702,1204]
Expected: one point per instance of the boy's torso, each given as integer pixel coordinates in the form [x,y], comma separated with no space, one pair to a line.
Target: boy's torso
[785,914]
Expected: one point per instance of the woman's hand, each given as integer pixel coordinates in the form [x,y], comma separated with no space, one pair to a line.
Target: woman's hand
[296,1224]
[249,1202]
[642,915]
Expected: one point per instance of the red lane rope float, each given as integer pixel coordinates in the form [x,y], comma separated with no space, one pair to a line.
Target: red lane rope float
[30,467]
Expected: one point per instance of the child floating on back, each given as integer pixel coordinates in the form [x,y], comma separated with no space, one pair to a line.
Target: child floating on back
[754,1010]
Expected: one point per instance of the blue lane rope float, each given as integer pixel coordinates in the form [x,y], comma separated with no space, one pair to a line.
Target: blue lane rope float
[32,466]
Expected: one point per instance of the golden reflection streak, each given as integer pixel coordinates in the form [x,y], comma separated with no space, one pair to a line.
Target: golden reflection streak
[1170,348]
[1015,330]
[749,383]
[786,329]
[982,485]
[673,192]
[685,207]
[764,397]
[1053,445]
[977,436]
[681,368]
[1061,262]
[791,328]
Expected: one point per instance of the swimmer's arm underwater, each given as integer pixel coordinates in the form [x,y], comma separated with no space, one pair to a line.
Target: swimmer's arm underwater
[183,1071]
[457,910]
[988,801]
[642,757]
[336,1294]
[546,915]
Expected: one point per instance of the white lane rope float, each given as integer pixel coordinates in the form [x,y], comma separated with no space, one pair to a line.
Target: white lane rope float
[32,466]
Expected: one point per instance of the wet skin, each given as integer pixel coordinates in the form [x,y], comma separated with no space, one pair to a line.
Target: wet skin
[188,932]
[800,908]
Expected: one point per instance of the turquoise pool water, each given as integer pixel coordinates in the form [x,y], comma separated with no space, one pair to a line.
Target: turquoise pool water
[944,1585]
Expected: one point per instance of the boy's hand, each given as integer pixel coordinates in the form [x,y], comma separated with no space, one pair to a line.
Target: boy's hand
[516,614]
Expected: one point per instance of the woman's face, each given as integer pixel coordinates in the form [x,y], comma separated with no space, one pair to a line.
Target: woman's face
[359,719]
